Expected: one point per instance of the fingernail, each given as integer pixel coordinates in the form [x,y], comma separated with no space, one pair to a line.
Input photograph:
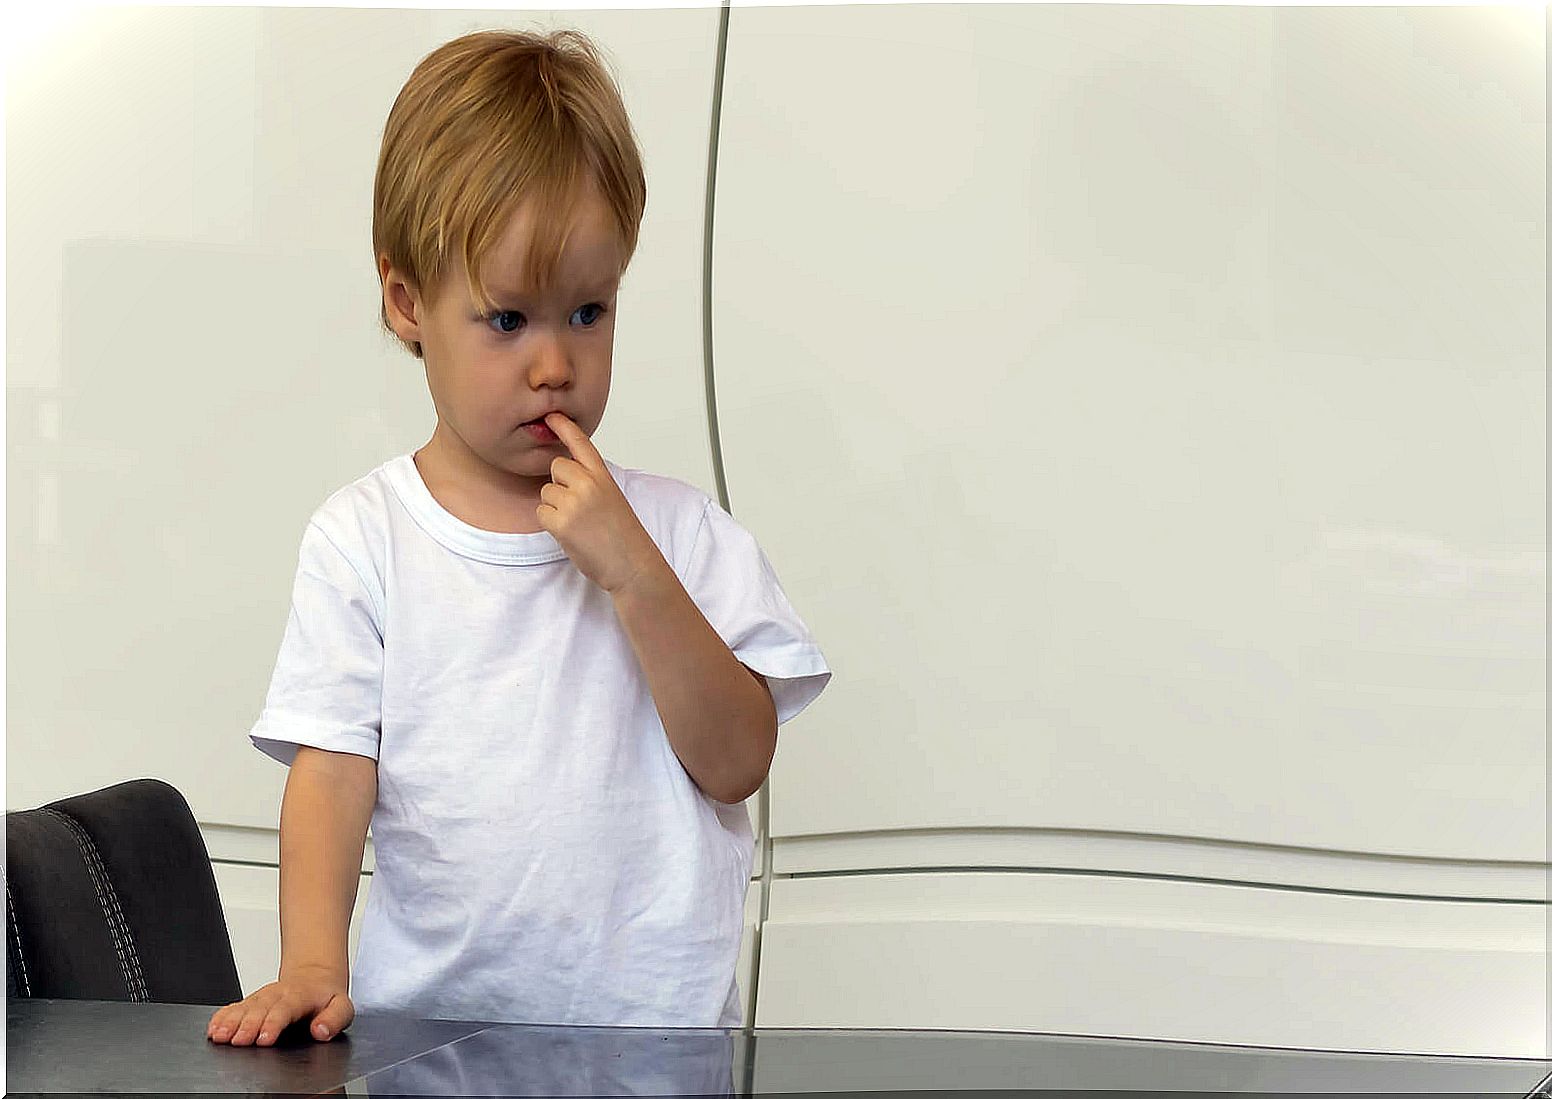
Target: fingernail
[263,1035]
[323,1031]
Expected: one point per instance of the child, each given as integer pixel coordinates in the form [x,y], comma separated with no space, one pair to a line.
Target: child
[541,676]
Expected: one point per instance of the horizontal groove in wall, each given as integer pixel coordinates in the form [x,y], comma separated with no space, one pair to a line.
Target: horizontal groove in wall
[1162,857]
[1095,872]
[1036,851]
[262,865]
[1081,872]
[256,846]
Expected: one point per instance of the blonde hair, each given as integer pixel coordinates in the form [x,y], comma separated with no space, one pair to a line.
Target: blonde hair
[483,124]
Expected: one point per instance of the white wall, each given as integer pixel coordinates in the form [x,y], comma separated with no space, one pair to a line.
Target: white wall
[1144,406]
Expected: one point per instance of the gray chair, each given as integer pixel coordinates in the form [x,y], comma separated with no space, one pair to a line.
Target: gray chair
[110,896]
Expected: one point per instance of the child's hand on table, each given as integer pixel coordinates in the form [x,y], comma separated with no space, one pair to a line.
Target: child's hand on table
[299,993]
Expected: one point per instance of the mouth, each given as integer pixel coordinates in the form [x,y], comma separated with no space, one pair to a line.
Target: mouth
[540,430]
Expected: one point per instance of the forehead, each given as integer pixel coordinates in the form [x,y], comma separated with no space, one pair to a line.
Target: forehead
[590,260]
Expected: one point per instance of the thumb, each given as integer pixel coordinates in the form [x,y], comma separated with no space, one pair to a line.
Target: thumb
[336,1015]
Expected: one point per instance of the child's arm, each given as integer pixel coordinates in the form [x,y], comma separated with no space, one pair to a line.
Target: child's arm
[718,712]
[323,821]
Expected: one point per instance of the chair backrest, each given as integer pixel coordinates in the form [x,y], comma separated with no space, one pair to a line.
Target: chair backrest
[110,896]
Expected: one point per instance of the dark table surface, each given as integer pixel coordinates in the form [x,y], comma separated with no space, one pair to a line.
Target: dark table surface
[97,1046]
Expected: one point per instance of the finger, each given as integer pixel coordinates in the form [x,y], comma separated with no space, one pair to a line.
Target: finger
[576,440]
[224,1021]
[248,1027]
[280,1015]
[335,1017]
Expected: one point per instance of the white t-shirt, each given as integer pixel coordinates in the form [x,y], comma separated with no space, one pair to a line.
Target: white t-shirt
[541,853]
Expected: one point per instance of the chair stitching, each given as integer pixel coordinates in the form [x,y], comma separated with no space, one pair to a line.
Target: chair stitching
[118,927]
[16,936]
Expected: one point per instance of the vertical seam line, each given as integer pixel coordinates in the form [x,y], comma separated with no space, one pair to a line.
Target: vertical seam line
[16,937]
[118,927]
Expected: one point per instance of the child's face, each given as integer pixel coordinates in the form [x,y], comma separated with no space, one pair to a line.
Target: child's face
[527,356]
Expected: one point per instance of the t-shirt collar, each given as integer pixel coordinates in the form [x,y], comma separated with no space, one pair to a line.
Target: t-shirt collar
[495,547]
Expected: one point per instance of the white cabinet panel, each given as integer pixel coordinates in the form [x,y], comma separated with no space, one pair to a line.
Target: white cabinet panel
[1146,409]
[1088,954]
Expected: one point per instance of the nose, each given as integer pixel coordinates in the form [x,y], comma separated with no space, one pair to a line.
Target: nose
[549,364]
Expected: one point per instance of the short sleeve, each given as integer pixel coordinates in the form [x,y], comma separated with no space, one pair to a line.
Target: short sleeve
[326,691]
[730,579]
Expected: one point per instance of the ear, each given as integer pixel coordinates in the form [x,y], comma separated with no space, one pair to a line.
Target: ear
[401,301]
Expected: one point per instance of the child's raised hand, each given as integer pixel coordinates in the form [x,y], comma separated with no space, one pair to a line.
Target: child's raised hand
[590,517]
[315,992]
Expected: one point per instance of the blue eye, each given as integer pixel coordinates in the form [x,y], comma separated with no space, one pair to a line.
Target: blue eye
[501,315]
